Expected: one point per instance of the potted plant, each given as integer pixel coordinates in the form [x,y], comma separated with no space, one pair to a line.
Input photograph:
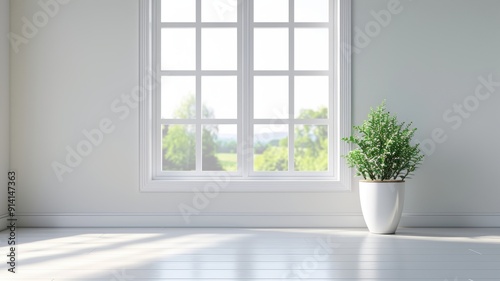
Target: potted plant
[385,158]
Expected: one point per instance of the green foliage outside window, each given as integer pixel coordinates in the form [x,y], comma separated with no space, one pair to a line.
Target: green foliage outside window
[179,141]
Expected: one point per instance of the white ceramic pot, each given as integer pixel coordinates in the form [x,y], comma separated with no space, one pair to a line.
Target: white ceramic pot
[382,205]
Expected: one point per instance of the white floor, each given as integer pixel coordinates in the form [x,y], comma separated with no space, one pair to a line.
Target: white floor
[248,254]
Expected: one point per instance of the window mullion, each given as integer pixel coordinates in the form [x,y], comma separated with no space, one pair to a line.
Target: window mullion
[334,125]
[247,91]
[291,88]
[199,145]
[156,105]
[241,134]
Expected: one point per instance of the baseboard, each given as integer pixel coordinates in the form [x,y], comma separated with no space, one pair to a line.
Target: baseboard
[450,220]
[248,220]
[201,220]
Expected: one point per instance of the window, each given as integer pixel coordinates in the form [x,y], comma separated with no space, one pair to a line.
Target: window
[254,93]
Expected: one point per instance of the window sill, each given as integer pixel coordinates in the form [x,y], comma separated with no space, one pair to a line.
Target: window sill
[227,185]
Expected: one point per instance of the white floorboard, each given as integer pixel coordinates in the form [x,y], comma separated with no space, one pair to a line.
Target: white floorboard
[134,254]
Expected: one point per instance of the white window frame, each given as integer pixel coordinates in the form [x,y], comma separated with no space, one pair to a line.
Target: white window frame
[152,180]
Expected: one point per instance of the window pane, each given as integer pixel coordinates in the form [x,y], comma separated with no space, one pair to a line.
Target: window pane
[311,97]
[270,148]
[178,147]
[219,96]
[219,148]
[311,148]
[270,97]
[270,11]
[311,10]
[311,49]
[178,49]
[219,10]
[271,48]
[178,10]
[178,98]
[219,48]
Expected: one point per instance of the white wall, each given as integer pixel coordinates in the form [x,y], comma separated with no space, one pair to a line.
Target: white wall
[4,107]
[66,77]
[426,60]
